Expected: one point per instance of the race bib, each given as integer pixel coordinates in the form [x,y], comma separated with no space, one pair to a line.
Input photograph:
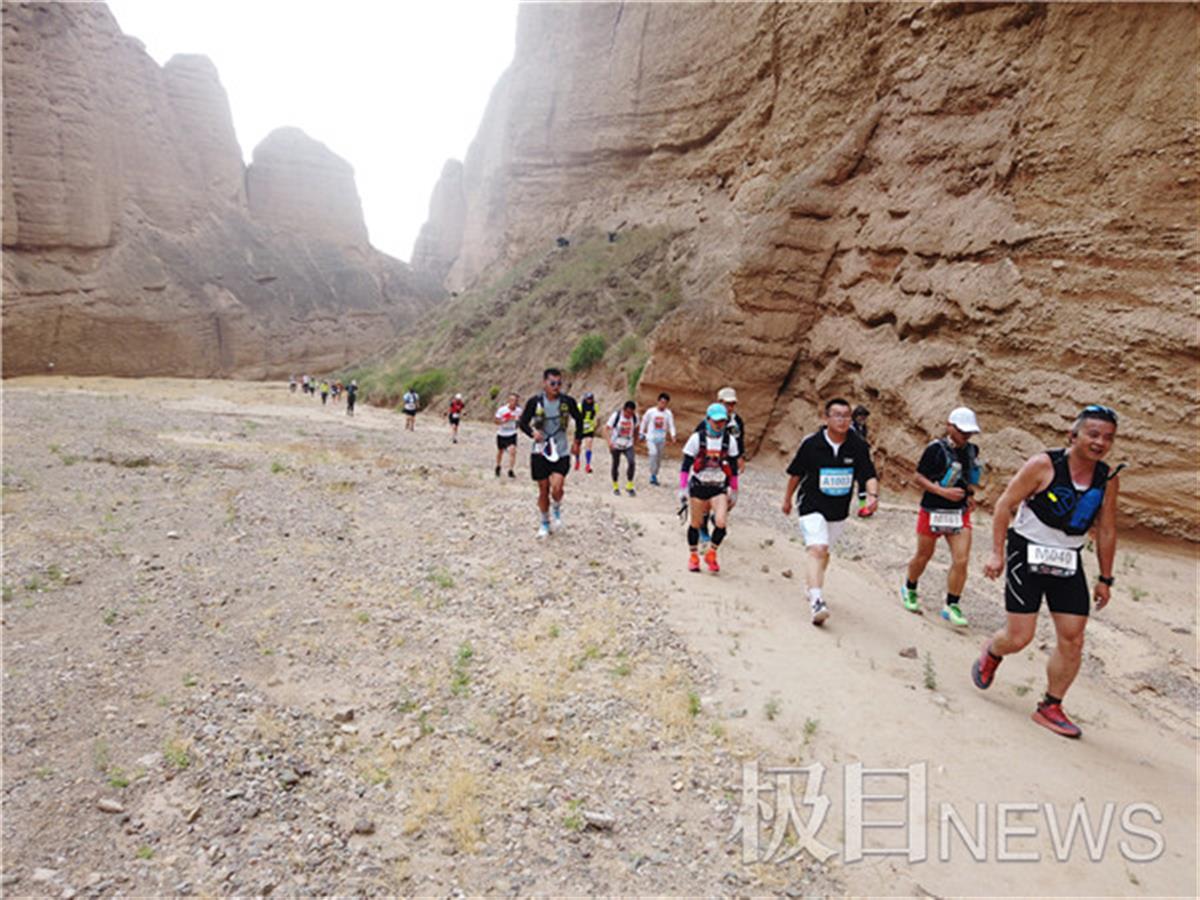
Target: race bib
[710,476]
[946,521]
[835,482]
[1061,562]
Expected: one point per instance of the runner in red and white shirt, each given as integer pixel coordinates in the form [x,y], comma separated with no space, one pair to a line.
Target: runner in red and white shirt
[622,432]
[657,425]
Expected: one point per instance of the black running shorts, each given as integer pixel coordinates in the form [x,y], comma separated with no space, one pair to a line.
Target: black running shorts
[541,468]
[1023,590]
[706,491]
[503,441]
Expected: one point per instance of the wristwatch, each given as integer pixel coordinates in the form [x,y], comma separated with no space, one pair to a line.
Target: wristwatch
[1106,579]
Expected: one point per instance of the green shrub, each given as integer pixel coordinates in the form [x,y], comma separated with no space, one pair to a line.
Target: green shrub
[588,352]
[494,391]
[635,375]
[429,384]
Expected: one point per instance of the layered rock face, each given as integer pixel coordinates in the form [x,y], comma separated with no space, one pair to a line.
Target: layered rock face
[441,236]
[910,206]
[130,245]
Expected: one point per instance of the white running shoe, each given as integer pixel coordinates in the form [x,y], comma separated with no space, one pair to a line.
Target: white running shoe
[820,612]
[543,530]
[556,522]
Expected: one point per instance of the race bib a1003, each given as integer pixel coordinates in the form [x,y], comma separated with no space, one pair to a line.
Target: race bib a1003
[835,482]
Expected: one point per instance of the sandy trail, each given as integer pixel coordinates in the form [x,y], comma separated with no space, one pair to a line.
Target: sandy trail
[843,693]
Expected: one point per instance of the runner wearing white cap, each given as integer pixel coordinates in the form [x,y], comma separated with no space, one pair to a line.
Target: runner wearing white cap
[948,473]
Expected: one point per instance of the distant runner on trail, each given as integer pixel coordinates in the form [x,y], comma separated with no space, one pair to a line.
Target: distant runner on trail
[291,384]
[622,433]
[587,409]
[858,421]
[507,417]
[823,471]
[412,403]
[708,481]
[1040,525]
[657,425]
[545,419]
[351,397]
[457,405]
[324,392]
[948,473]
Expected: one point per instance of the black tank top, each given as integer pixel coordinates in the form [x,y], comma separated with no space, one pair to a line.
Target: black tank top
[1062,505]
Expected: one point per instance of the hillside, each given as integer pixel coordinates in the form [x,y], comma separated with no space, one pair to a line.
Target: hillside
[913,206]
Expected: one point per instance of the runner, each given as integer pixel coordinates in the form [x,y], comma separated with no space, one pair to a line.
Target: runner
[1057,496]
[708,481]
[727,397]
[657,424]
[351,397]
[412,402]
[587,408]
[507,417]
[291,384]
[858,421]
[621,431]
[947,472]
[455,416]
[324,392]
[823,470]
[545,419]
[304,384]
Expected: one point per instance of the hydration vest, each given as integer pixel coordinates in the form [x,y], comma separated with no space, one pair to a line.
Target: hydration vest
[589,420]
[1062,505]
[713,459]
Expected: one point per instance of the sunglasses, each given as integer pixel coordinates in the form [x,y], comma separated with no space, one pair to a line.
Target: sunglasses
[554,382]
[1096,411]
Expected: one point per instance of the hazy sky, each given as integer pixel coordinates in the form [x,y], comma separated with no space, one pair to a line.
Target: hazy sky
[394,88]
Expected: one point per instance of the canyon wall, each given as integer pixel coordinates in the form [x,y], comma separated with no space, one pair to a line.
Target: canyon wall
[131,244]
[913,206]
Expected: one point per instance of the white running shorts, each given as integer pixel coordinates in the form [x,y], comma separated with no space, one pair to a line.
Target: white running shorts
[817,530]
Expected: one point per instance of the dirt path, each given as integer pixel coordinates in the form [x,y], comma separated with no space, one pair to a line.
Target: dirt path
[204,579]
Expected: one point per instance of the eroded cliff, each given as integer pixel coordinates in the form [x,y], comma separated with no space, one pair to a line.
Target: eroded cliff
[914,206]
[130,245]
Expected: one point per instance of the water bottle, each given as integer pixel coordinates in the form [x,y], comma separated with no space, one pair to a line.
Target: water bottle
[951,476]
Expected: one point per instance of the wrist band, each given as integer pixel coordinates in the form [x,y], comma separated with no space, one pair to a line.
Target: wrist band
[1106,579]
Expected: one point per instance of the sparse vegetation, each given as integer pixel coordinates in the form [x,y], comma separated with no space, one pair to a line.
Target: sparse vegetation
[177,754]
[277,467]
[587,352]
[771,709]
[573,820]
[810,730]
[1137,595]
[930,673]
[693,704]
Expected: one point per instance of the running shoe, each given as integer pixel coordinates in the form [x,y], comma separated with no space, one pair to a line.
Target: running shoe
[693,562]
[983,670]
[543,531]
[909,598]
[589,468]
[512,474]
[497,471]
[654,480]
[820,612]
[629,490]
[1051,715]
[710,560]
[952,614]
[576,464]
[616,490]
[556,522]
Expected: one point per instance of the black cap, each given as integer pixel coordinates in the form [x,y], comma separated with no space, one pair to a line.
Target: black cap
[861,410]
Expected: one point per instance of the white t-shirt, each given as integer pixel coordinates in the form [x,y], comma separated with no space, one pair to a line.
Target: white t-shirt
[657,424]
[623,430]
[712,446]
[506,420]
[411,399]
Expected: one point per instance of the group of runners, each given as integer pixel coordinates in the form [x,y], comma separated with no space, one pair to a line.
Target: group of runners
[326,389]
[1041,520]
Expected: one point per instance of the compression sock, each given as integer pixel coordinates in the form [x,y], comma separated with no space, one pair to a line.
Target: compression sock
[588,454]
[718,535]
[911,585]
[952,599]
[1051,700]
[693,537]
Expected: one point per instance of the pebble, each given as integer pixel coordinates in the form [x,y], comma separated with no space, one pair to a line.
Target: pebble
[172,535]
[364,826]
[1058,265]
[43,875]
[345,714]
[108,805]
[786,573]
[550,735]
[599,820]
[909,652]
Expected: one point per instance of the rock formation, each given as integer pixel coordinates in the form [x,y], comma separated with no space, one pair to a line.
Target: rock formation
[440,238]
[130,244]
[910,205]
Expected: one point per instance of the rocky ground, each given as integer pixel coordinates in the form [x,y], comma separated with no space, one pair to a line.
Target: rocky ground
[253,646]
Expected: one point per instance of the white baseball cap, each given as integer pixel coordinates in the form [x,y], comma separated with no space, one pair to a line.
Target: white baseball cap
[964,420]
[727,395]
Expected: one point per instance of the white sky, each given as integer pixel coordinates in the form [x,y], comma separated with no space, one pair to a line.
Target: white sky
[394,88]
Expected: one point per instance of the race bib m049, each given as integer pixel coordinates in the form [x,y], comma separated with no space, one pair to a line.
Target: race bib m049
[1060,562]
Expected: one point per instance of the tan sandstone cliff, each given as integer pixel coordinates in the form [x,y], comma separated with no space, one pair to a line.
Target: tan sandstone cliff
[131,243]
[909,205]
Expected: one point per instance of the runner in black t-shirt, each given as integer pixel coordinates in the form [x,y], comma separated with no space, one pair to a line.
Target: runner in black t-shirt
[823,471]
[546,418]
[947,473]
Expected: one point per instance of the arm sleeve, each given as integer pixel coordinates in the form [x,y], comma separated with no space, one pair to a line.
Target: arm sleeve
[577,415]
[527,418]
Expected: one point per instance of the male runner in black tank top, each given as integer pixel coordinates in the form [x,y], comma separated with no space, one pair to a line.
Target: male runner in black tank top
[1056,498]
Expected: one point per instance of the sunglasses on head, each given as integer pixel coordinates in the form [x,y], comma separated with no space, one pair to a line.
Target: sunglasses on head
[1096,411]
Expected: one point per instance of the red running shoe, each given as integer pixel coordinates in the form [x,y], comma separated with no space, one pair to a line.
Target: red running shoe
[983,670]
[1051,715]
[710,560]
[694,562]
